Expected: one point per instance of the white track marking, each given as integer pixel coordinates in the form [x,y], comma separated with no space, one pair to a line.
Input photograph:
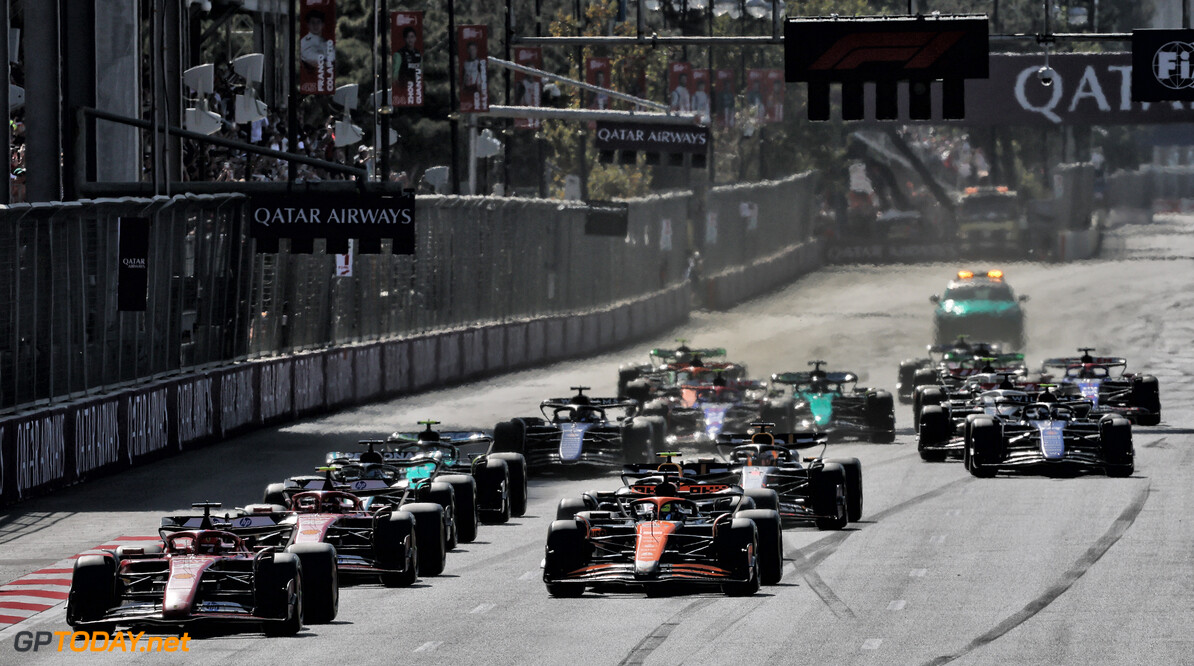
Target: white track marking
[482,608]
[872,643]
[897,605]
[429,646]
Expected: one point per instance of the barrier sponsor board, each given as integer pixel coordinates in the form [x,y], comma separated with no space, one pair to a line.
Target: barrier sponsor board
[303,217]
[194,410]
[308,384]
[237,396]
[146,417]
[275,388]
[96,436]
[40,447]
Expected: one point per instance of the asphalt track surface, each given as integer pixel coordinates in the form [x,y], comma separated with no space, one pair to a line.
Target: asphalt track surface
[943,568]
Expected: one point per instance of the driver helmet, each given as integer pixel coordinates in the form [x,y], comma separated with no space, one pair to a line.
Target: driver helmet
[1087,371]
[373,472]
[209,544]
[371,457]
[585,415]
[1036,412]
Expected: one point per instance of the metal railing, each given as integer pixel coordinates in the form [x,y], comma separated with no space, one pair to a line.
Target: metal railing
[212,301]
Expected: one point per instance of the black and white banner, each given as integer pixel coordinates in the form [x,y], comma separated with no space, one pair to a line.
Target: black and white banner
[303,217]
[1162,67]
[132,278]
[652,138]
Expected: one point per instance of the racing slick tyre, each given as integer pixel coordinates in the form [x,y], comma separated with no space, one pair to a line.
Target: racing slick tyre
[828,488]
[569,507]
[985,448]
[430,537]
[906,378]
[567,550]
[279,591]
[880,417]
[464,491]
[764,498]
[321,582]
[491,480]
[734,544]
[923,397]
[852,468]
[934,431]
[92,589]
[1146,394]
[781,413]
[625,377]
[510,437]
[275,493]
[658,432]
[1115,442]
[394,548]
[636,442]
[770,552]
[924,377]
[638,390]
[516,489]
[443,495]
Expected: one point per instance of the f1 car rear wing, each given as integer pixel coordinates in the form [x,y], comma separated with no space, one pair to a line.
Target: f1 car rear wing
[684,354]
[807,377]
[1078,361]
[791,439]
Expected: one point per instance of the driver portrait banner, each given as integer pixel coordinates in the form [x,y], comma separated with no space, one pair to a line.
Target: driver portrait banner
[304,217]
[406,37]
[317,47]
[472,41]
[528,89]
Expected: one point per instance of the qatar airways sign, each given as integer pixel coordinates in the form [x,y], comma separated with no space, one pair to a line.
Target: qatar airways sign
[1084,89]
[652,138]
[303,217]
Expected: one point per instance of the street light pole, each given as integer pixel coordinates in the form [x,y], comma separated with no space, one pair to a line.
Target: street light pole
[453,115]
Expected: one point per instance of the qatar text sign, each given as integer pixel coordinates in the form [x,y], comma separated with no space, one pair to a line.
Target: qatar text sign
[303,217]
[1162,67]
[652,138]
[473,42]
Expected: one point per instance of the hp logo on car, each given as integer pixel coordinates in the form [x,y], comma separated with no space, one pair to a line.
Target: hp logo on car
[359,485]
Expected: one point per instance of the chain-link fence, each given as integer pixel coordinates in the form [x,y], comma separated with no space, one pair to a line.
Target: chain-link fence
[476,260]
[210,300]
[750,221]
[60,331]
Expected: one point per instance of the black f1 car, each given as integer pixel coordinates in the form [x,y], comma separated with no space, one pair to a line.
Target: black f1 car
[579,431]
[1048,436]
[1103,381]
[199,576]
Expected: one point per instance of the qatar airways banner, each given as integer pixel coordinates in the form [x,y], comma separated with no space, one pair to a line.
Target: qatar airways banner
[652,138]
[302,218]
[1085,89]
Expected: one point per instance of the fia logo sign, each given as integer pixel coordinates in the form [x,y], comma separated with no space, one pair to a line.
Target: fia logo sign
[1172,67]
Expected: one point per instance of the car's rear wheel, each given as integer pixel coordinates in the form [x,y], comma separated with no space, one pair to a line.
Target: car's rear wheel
[464,493]
[852,470]
[395,549]
[509,437]
[516,489]
[567,550]
[321,582]
[429,537]
[828,486]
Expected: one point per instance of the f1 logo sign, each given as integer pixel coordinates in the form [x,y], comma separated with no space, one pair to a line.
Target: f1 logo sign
[886,51]
[1162,65]
[916,50]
